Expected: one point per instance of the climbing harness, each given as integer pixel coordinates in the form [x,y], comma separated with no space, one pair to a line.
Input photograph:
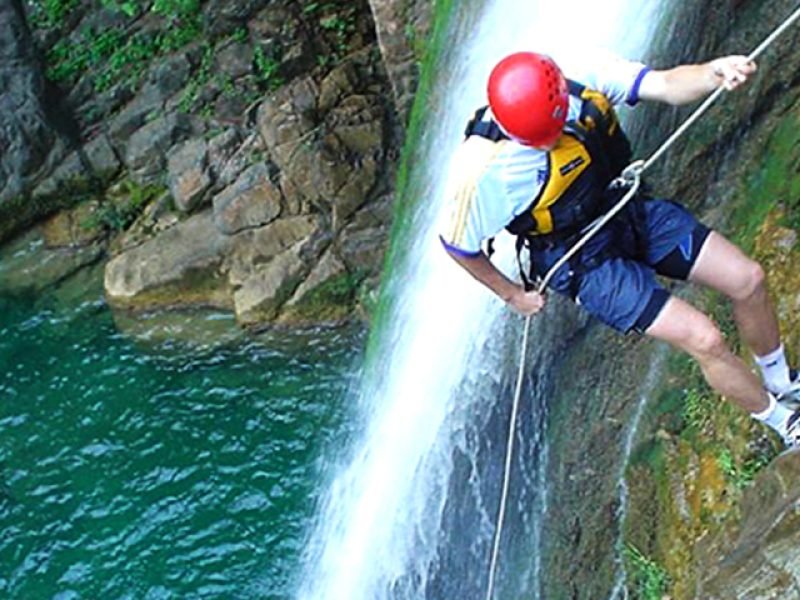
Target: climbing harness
[630,178]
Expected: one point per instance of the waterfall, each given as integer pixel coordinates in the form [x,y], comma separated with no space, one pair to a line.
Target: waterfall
[650,381]
[411,511]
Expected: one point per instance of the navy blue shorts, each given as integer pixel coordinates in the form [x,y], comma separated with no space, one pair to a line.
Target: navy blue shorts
[613,276]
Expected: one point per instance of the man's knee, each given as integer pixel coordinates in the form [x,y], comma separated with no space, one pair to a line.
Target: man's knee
[706,340]
[688,329]
[751,281]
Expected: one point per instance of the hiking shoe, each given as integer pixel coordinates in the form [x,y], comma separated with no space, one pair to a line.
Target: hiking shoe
[790,397]
[792,436]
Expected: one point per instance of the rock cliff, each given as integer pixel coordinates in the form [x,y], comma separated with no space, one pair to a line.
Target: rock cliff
[228,153]
[31,142]
[240,154]
[403,26]
[694,506]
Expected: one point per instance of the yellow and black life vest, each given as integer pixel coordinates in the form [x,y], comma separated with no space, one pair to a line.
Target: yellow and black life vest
[592,151]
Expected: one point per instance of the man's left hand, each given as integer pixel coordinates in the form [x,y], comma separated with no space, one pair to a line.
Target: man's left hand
[732,71]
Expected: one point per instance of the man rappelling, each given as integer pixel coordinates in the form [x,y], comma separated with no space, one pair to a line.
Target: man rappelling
[538,161]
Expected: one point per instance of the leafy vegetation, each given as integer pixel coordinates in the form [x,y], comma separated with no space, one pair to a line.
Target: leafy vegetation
[67,59]
[115,56]
[112,55]
[698,409]
[267,69]
[52,13]
[49,13]
[340,23]
[742,472]
[176,8]
[200,77]
[118,213]
[129,8]
[650,580]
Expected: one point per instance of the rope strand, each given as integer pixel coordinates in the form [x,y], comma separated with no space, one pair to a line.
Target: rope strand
[631,177]
[509,455]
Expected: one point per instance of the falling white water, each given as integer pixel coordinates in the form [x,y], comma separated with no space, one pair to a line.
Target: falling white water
[619,591]
[377,531]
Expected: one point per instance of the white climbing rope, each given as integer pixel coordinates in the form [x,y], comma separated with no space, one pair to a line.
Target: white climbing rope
[509,455]
[631,178]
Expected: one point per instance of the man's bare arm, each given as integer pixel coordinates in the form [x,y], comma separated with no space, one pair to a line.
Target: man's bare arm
[687,83]
[482,269]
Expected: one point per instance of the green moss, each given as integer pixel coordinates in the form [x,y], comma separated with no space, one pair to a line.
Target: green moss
[198,287]
[175,9]
[771,181]
[420,112]
[690,472]
[667,410]
[332,300]
[367,298]
[14,214]
[406,199]
[24,210]
[341,289]
[649,454]
[701,454]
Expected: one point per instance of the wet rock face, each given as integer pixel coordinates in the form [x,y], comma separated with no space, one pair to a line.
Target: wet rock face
[599,378]
[252,201]
[329,147]
[179,267]
[764,560]
[402,27]
[28,140]
[682,494]
[256,114]
[147,149]
[306,207]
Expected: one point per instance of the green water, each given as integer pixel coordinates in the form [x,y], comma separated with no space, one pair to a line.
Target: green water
[142,466]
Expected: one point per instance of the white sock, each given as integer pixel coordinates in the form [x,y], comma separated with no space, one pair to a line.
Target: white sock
[775,370]
[775,415]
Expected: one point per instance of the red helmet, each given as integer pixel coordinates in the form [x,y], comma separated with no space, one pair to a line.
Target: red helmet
[529,97]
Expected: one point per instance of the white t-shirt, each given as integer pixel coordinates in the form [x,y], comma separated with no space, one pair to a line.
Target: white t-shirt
[489,183]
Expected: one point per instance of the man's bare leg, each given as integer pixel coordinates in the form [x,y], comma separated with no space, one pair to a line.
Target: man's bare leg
[723,267]
[685,327]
